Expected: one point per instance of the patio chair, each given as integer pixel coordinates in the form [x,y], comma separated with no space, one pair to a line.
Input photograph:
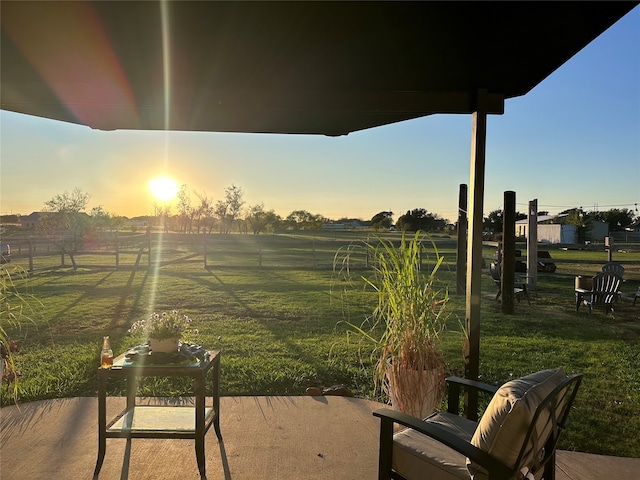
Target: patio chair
[613,267]
[516,437]
[617,269]
[604,292]
[519,285]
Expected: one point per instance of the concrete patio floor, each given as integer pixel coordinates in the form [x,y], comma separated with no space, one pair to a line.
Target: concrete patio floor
[263,438]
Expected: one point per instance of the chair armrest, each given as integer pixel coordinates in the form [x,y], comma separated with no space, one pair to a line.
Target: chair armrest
[485,387]
[498,471]
[455,384]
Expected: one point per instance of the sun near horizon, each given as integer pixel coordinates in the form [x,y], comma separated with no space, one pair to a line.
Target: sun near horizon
[163,188]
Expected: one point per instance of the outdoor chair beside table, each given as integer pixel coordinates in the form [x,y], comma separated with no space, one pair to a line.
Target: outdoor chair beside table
[602,289]
[161,421]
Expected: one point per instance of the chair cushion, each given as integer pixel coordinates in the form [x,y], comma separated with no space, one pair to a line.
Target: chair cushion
[416,456]
[502,429]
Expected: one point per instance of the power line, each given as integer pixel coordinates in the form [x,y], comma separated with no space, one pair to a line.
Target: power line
[632,205]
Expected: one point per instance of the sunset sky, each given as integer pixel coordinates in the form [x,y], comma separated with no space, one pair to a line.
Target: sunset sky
[573,141]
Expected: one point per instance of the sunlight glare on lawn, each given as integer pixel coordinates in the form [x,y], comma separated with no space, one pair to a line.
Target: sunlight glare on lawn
[163,188]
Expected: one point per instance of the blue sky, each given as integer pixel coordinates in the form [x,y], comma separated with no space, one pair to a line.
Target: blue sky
[573,141]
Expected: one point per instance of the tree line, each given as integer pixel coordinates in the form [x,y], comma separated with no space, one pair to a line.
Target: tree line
[199,213]
[65,222]
[618,220]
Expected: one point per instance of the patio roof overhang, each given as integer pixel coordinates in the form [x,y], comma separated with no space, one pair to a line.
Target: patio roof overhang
[327,68]
[281,67]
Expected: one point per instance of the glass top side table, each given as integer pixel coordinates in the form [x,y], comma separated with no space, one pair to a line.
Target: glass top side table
[161,421]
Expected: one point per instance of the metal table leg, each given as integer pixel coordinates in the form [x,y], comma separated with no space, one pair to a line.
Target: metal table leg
[200,430]
[102,421]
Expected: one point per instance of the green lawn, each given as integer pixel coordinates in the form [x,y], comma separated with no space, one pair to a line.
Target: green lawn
[280,328]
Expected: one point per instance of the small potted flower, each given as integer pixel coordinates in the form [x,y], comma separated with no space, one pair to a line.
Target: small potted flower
[163,331]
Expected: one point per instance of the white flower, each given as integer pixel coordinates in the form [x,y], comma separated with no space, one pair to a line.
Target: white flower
[164,325]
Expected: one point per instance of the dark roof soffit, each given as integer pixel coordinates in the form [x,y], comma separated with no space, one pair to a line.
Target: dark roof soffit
[282,67]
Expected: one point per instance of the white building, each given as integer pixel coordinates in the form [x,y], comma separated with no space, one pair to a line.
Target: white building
[552,229]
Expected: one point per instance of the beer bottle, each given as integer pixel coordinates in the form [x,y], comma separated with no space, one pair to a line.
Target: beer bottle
[106,358]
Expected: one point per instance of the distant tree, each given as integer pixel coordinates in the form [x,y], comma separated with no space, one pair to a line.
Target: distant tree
[229,209]
[73,202]
[204,213]
[233,196]
[382,220]
[157,206]
[65,223]
[163,215]
[101,220]
[582,221]
[120,221]
[617,218]
[185,210]
[256,218]
[275,222]
[259,220]
[303,220]
[493,222]
[420,219]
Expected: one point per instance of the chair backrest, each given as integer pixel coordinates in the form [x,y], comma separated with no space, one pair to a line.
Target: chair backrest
[605,288]
[551,416]
[521,425]
[495,270]
[613,267]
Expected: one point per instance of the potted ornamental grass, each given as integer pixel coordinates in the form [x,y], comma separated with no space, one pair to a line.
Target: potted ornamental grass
[16,307]
[402,332]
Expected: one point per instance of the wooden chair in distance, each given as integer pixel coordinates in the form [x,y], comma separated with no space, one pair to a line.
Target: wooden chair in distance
[617,269]
[613,267]
[604,292]
[519,286]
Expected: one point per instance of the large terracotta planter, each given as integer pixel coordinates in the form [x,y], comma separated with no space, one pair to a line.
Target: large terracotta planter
[164,345]
[418,393]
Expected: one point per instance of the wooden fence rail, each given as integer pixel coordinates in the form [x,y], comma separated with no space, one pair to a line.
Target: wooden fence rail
[286,250]
[124,251]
